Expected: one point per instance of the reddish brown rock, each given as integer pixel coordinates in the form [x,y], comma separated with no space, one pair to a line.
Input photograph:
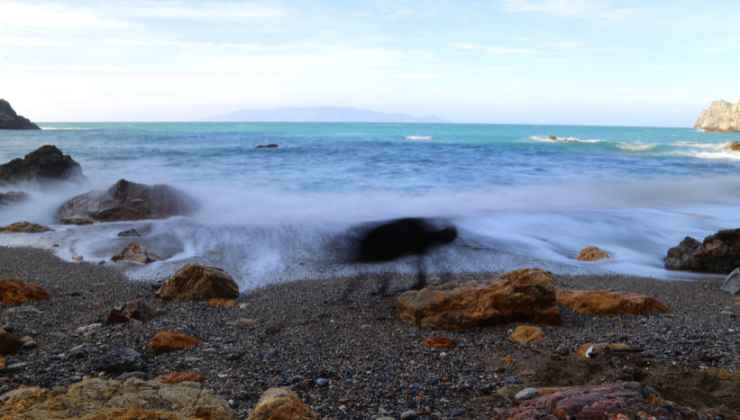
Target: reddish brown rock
[136,253]
[16,292]
[24,227]
[166,341]
[222,303]
[199,282]
[603,302]
[718,253]
[592,253]
[525,334]
[522,295]
[177,377]
[281,404]
[438,342]
[626,400]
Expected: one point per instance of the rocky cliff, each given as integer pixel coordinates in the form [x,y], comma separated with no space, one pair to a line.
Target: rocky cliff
[9,120]
[720,116]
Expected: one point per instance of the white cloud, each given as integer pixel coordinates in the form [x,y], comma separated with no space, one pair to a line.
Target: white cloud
[493,49]
[601,9]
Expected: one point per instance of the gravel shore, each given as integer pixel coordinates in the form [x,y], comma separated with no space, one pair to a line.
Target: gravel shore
[345,352]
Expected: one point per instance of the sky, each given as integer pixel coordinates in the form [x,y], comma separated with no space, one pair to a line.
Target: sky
[651,63]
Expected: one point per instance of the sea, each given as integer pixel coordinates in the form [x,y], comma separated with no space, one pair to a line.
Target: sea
[519,195]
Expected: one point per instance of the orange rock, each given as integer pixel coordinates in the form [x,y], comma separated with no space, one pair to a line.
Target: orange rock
[177,377]
[165,341]
[525,334]
[24,227]
[199,282]
[592,253]
[507,360]
[526,294]
[16,292]
[281,404]
[603,302]
[3,363]
[590,350]
[222,303]
[438,342]
[723,374]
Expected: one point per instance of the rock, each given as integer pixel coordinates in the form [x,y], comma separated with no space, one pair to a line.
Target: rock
[720,116]
[592,253]
[177,377]
[281,404]
[120,360]
[268,146]
[135,309]
[24,227]
[136,253]
[9,343]
[17,292]
[526,394]
[129,233]
[88,329]
[603,302]
[166,341]
[396,238]
[246,322]
[222,303]
[127,201]
[734,146]
[199,282]
[591,350]
[438,342]
[526,294]
[718,253]
[624,400]
[408,414]
[321,381]
[28,342]
[731,284]
[98,399]
[3,362]
[43,165]
[78,220]
[9,120]
[525,334]
[12,198]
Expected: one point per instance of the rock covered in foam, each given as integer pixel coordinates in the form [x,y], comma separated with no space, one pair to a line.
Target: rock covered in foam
[720,116]
[127,200]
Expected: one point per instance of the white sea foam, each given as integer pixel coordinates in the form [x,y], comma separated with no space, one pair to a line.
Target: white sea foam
[418,138]
[65,128]
[568,139]
[636,147]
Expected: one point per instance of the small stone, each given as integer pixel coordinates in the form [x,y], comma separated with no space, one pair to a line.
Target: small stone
[438,342]
[408,414]
[28,342]
[246,323]
[120,360]
[166,341]
[322,381]
[88,329]
[526,394]
[221,303]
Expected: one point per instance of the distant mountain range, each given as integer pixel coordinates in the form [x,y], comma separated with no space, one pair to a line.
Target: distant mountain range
[321,114]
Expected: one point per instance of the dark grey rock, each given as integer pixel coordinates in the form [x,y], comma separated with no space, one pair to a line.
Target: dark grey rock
[731,284]
[9,120]
[718,253]
[120,360]
[43,165]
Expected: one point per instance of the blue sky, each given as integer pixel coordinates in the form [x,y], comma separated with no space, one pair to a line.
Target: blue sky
[501,61]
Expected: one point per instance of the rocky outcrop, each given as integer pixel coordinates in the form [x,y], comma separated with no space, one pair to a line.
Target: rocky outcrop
[199,282]
[43,165]
[24,227]
[127,201]
[9,120]
[592,253]
[16,292]
[604,302]
[720,116]
[718,253]
[136,253]
[525,334]
[624,400]
[97,399]
[522,295]
[281,404]
[167,341]
[11,198]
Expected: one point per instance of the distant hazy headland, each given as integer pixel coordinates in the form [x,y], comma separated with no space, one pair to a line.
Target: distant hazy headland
[321,114]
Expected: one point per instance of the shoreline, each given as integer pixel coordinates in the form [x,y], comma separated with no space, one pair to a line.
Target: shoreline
[303,331]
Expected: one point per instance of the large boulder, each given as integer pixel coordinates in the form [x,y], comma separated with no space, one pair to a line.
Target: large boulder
[199,282]
[97,399]
[43,165]
[127,200]
[718,253]
[604,302]
[625,400]
[9,120]
[522,295]
[281,404]
[720,116]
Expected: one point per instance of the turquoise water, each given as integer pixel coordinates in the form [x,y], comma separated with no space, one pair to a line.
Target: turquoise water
[520,194]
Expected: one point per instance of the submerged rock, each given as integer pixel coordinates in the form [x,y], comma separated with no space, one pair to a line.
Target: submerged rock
[592,253]
[199,282]
[16,292]
[24,227]
[720,116]
[11,198]
[718,253]
[9,120]
[127,201]
[522,295]
[268,146]
[604,302]
[97,399]
[136,253]
[281,404]
[43,165]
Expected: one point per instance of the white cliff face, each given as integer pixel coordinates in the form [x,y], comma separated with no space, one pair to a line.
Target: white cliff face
[720,116]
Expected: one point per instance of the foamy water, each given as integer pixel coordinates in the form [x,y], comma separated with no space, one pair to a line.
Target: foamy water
[273,215]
